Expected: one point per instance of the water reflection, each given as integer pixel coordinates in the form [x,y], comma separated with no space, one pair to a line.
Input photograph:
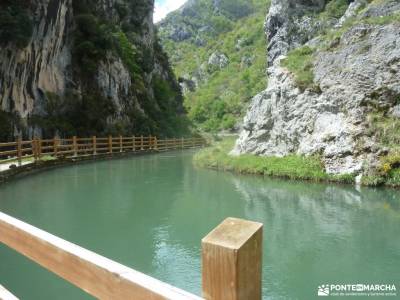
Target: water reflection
[151,213]
[318,233]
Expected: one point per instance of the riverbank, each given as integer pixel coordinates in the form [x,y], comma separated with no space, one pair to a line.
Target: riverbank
[290,167]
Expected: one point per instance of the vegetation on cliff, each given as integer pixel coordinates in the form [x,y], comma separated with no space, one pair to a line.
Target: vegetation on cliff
[15,23]
[327,49]
[300,62]
[97,39]
[231,29]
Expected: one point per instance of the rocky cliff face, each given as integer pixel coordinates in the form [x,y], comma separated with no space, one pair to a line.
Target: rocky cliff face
[355,74]
[85,67]
[42,66]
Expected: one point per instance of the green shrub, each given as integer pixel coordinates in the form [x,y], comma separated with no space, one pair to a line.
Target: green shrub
[221,24]
[73,114]
[300,62]
[122,10]
[8,121]
[92,40]
[127,51]
[388,173]
[335,9]
[373,180]
[395,18]
[16,24]
[236,8]
[228,122]
[385,128]
[394,178]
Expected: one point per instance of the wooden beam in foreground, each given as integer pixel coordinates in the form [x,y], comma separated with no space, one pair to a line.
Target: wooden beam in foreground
[6,295]
[96,275]
[232,261]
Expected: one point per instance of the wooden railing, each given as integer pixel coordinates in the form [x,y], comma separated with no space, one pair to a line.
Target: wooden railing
[38,148]
[6,295]
[231,264]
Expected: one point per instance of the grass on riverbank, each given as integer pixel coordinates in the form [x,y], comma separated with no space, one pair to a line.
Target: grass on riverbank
[290,167]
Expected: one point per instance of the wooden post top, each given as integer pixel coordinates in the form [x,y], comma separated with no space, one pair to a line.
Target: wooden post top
[232,233]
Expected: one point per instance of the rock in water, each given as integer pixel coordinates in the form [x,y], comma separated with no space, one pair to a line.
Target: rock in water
[361,67]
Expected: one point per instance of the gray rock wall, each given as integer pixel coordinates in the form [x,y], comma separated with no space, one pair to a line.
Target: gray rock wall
[26,74]
[332,123]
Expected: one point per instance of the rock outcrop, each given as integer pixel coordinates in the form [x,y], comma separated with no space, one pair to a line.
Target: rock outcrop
[356,73]
[218,60]
[87,56]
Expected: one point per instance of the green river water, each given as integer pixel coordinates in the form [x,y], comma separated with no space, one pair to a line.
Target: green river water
[150,213]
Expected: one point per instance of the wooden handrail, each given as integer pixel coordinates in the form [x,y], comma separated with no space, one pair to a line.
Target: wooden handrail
[95,274]
[6,295]
[231,263]
[75,147]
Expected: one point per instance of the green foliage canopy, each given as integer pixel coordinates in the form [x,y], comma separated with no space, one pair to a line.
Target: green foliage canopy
[16,24]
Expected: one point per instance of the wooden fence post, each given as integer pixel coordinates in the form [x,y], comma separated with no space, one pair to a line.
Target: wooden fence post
[39,148]
[120,144]
[232,261]
[141,143]
[183,143]
[33,146]
[19,151]
[150,142]
[94,146]
[155,143]
[75,145]
[110,144]
[55,147]
[133,143]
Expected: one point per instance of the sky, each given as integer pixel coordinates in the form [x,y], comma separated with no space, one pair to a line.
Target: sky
[163,7]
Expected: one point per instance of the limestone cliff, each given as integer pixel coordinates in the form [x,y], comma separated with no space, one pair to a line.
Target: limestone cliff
[84,67]
[355,77]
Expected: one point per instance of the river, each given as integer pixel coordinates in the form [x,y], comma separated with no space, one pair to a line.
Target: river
[151,212]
